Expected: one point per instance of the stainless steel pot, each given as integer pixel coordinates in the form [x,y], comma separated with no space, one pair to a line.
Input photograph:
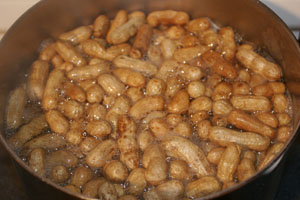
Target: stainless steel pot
[256,23]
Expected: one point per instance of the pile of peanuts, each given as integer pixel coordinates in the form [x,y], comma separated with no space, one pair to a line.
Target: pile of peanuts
[150,107]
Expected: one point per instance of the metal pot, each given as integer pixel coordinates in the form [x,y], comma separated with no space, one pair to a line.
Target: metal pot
[49,18]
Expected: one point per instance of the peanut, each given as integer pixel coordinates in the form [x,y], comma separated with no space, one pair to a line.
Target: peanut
[96,112]
[159,128]
[98,128]
[198,25]
[88,144]
[37,161]
[59,174]
[95,49]
[127,142]
[203,127]
[219,65]
[142,40]
[71,109]
[224,136]
[47,141]
[179,169]
[184,149]
[221,107]
[227,43]
[130,77]
[107,191]
[201,187]
[167,17]
[146,105]
[135,64]
[77,35]
[156,172]
[75,92]
[37,79]
[262,90]
[247,122]
[137,181]
[284,133]
[251,103]
[48,52]
[179,103]
[272,152]
[155,86]
[175,32]
[223,90]
[88,72]
[168,48]
[183,129]
[101,25]
[173,189]
[189,53]
[201,103]
[102,153]
[115,171]
[62,157]
[144,139]
[95,94]
[215,155]
[280,103]
[69,53]
[57,122]
[195,89]
[268,119]
[277,87]
[111,84]
[81,176]
[28,131]
[257,63]
[240,88]
[51,93]
[125,31]
[120,19]
[228,163]
[90,189]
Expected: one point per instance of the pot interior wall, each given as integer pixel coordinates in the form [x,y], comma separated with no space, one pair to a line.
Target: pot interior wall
[49,18]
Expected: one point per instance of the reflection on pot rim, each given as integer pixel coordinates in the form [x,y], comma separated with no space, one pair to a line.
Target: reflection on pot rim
[291,73]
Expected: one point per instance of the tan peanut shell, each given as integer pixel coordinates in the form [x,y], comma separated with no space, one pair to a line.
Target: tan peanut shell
[225,136]
[102,153]
[137,181]
[167,17]
[77,35]
[37,79]
[228,163]
[247,122]
[257,63]
[51,93]
[201,187]
[146,105]
[88,72]
[127,142]
[135,64]
[37,161]
[28,131]
[69,53]
[57,122]
[184,149]
[251,103]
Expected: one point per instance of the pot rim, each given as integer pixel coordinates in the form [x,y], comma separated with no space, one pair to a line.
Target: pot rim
[220,193]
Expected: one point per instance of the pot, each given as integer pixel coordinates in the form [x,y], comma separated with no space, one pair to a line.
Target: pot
[47,19]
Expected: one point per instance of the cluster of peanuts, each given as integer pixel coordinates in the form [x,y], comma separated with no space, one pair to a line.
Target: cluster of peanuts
[152,107]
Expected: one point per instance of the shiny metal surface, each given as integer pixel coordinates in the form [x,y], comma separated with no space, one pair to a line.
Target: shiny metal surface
[48,18]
